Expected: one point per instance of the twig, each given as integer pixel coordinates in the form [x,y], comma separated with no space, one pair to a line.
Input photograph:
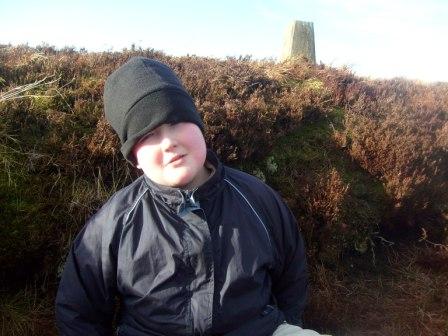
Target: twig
[424,238]
[384,240]
[17,92]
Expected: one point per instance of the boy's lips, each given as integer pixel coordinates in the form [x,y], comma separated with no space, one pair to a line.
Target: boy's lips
[175,158]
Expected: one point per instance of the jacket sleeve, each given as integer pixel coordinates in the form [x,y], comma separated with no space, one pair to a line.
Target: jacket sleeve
[85,302]
[290,276]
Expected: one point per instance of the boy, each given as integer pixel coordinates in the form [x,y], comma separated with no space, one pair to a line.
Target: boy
[191,247]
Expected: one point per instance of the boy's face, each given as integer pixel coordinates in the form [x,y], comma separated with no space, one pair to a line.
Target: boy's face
[173,155]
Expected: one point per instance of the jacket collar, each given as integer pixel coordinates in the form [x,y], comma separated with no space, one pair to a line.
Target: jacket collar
[175,198]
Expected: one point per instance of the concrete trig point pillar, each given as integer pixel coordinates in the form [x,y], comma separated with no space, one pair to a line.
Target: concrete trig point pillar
[299,41]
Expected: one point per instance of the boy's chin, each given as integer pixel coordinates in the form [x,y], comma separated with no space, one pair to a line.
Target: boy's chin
[182,183]
[178,180]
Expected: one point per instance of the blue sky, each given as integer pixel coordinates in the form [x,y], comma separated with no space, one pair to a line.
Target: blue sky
[375,38]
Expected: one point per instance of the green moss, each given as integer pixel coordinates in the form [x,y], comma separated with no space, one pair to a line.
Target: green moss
[314,84]
[43,102]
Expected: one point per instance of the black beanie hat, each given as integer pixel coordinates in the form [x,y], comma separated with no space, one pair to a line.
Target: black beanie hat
[141,95]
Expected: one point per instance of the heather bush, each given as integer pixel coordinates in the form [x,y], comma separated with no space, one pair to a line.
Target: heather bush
[323,118]
[339,205]
[397,131]
[359,161]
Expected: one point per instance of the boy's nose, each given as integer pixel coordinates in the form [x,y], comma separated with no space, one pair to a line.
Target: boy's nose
[167,142]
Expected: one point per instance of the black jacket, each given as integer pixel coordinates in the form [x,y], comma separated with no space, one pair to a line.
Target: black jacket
[225,259]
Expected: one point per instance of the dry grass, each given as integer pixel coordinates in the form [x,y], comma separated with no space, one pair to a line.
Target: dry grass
[26,314]
[402,295]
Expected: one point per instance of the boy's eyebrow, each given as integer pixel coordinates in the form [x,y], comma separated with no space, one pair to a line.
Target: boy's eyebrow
[147,134]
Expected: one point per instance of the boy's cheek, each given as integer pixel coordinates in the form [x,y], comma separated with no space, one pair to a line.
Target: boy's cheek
[146,156]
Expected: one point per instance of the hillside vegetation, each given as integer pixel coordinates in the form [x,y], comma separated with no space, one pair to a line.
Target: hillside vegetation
[362,163]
